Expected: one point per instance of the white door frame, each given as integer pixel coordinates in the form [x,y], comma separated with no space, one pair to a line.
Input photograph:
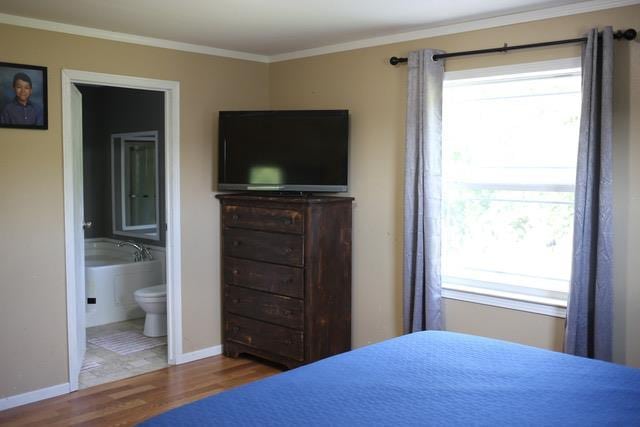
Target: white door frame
[171,90]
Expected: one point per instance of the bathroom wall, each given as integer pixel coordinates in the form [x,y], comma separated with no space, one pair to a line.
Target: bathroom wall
[105,111]
[96,163]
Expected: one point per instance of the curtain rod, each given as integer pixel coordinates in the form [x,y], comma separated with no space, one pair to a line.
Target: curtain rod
[629,34]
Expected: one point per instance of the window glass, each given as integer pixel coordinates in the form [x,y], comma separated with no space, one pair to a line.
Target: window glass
[509,164]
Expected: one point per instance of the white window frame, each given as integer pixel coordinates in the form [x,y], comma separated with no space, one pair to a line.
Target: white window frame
[555,307]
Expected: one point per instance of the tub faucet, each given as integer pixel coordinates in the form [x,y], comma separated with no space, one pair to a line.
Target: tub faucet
[142,252]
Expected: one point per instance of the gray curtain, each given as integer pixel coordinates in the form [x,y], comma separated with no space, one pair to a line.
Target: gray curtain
[422,193]
[589,312]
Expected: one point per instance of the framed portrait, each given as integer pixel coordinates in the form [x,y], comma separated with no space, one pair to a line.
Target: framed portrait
[23,96]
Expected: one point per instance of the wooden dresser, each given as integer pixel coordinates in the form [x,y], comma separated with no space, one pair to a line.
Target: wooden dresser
[286,276]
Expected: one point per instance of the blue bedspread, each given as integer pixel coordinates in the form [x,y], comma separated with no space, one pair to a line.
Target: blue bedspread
[430,378]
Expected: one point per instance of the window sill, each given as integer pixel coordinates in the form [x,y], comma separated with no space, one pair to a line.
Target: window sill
[531,304]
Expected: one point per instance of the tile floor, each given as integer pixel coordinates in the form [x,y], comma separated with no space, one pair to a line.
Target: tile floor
[103,366]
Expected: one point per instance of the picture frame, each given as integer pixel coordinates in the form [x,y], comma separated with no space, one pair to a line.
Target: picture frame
[23,96]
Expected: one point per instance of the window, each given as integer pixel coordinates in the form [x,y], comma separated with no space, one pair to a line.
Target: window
[509,155]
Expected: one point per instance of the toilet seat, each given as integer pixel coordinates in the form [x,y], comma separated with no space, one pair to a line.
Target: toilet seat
[159,291]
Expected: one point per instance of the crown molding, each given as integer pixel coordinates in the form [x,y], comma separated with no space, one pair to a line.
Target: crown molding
[479,24]
[40,24]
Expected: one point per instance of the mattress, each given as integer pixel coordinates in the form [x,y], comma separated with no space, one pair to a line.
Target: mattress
[429,378]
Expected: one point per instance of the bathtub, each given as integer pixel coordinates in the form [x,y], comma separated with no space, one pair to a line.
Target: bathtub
[111,278]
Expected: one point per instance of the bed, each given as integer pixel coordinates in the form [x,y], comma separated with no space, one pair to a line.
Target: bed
[429,378]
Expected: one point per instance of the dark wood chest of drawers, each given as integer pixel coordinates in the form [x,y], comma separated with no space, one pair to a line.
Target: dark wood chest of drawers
[286,276]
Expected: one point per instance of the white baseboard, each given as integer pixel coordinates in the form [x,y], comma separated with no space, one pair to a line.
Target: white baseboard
[33,396]
[57,390]
[198,354]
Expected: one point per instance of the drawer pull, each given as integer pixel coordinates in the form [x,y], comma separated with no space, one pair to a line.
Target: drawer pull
[288,250]
[236,272]
[235,217]
[235,300]
[287,342]
[235,329]
[236,243]
[286,312]
[288,221]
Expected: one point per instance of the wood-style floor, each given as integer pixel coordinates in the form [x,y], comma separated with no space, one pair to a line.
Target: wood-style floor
[130,401]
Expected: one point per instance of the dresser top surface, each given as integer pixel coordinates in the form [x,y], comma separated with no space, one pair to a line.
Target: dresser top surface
[296,199]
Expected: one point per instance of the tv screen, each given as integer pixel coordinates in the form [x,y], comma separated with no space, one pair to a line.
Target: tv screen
[284,150]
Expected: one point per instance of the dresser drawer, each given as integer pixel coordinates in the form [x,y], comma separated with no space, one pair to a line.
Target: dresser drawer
[262,246]
[278,309]
[282,220]
[261,276]
[264,336]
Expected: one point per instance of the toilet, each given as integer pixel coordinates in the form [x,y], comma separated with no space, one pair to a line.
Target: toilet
[153,300]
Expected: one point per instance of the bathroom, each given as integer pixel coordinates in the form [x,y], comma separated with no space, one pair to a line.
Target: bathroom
[124,217]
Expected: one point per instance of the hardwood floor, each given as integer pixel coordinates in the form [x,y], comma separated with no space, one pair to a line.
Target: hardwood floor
[130,401]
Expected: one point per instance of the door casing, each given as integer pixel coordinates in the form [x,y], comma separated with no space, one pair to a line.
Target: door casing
[73,173]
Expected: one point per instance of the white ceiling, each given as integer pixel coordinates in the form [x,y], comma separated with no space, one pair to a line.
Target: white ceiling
[273,27]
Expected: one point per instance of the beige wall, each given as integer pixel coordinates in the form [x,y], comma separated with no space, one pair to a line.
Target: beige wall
[33,343]
[511,325]
[375,93]
[33,350]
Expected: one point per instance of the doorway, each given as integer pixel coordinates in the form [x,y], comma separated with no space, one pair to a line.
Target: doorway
[167,224]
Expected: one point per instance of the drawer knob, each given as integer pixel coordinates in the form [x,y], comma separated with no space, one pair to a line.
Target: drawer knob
[286,312]
[287,281]
[236,243]
[288,221]
[235,217]
[236,272]
[288,250]
[235,300]
[287,342]
[235,329]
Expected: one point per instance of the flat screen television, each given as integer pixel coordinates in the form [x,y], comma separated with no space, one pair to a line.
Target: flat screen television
[301,151]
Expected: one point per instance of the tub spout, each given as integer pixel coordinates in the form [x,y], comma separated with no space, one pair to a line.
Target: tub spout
[142,252]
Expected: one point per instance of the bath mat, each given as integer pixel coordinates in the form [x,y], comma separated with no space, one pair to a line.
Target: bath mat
[127,342]
[87,366]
